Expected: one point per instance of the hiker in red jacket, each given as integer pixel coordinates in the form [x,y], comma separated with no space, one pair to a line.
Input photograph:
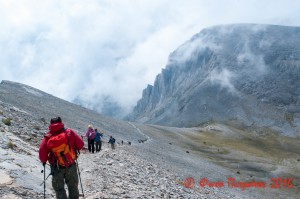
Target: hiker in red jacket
[59,147]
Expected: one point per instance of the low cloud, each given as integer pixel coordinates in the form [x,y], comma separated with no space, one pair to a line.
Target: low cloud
[223,78]
[255,62]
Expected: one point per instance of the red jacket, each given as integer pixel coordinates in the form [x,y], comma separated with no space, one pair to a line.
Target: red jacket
[55,129]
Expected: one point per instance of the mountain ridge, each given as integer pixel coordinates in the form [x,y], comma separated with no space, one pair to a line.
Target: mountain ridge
[242,73]
[42,105]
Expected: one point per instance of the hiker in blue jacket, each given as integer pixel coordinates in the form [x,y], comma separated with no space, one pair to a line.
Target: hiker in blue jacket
[112,142]
[98,141]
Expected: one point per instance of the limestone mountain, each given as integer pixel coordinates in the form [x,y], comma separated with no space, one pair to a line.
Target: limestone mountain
[243,74]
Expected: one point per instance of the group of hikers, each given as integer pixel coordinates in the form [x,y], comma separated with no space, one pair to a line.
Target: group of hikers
[94,136]
[60,147]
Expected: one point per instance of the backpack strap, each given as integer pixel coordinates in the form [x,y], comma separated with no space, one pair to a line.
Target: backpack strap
[72,147]
[62,152]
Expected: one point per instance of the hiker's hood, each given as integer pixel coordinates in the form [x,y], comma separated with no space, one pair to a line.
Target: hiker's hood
[55,128]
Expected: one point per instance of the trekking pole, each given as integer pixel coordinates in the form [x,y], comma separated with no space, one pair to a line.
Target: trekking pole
[44,182]
[44,171]
[51,173]
[79,177]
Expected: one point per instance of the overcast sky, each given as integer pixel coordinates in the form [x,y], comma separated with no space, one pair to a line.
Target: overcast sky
[109,50]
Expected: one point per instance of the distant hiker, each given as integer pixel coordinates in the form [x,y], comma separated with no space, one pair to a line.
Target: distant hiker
[98,140]
[122,142]
[112,141]
[90,134]
[60,147]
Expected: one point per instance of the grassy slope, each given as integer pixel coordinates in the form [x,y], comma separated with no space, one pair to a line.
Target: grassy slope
[251,155]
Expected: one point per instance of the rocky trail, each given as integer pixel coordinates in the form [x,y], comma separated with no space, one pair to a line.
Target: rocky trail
[108,174]
[120,173]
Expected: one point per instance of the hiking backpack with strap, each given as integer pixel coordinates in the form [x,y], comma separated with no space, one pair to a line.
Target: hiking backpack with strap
[61,149]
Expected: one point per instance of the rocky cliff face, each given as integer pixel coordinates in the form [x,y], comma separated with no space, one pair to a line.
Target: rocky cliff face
[244,73]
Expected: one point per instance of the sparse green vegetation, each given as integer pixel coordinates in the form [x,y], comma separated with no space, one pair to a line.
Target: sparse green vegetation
[10,144]
[1,112]
[7,121]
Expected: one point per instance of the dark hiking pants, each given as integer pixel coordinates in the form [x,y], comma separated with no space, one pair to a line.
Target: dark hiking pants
[91,145]
[98,146]
[113,145]
[68,175]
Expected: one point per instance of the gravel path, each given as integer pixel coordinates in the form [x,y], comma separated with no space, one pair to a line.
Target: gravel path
[120,173]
